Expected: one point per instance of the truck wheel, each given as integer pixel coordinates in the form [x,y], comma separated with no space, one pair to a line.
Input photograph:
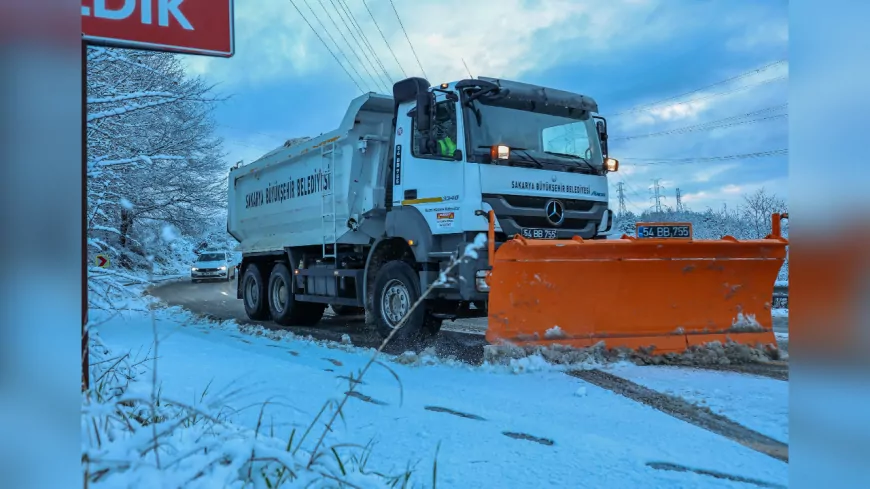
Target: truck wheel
[254,294]
[340,310]
[397,288]
[285,310]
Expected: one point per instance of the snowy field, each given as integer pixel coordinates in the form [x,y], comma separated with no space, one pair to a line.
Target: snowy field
[524,425]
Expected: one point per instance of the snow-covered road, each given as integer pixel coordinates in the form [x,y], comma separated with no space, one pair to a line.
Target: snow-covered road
[496,428]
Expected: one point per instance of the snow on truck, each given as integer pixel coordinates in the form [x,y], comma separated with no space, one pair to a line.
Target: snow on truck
[369,215]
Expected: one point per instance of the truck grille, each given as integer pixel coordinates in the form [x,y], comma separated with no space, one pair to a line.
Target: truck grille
[518,212]
[531,202]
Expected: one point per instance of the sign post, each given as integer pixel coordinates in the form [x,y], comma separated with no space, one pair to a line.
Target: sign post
[199,27]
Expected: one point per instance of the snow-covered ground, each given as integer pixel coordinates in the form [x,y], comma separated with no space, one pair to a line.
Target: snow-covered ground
[758,403]
[486,426]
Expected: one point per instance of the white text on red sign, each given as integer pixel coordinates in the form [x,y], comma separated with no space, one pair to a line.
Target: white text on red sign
[165,10]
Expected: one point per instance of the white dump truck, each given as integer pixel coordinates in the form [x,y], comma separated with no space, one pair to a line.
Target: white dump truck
[367,216]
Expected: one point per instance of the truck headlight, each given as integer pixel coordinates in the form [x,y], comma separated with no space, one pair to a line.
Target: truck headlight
[500,152]
[611,164]
[480,281]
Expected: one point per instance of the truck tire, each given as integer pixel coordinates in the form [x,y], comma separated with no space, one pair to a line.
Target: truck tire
[285,309]
[340,310]
[254,294]
[397,288]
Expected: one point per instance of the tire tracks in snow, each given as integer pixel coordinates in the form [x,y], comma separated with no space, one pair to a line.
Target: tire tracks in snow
[773,370]
[681,409]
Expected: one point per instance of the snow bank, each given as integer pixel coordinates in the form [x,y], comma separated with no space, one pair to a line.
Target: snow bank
[518,359]
[522,359]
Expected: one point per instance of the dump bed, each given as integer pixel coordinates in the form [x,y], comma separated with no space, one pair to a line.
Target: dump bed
[304,194]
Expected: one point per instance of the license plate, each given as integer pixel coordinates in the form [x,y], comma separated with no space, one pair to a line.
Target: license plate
[664,230]
[535,233]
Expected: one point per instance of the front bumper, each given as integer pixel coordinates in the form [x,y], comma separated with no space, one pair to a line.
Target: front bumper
[209,274]
[465,280]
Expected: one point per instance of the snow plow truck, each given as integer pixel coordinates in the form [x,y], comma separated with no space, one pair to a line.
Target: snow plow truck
[369,216]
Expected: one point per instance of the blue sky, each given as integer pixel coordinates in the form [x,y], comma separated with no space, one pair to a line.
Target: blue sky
[627,54]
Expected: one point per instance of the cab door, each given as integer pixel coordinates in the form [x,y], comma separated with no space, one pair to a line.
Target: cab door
[431,176]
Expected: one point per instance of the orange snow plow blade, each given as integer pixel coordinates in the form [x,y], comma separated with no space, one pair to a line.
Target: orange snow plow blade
[634,293]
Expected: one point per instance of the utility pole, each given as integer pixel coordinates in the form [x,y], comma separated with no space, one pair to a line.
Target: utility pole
[679,201]
[620,192]
[657,195]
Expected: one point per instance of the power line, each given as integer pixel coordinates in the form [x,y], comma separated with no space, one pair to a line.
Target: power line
[632,189]
[385,39]
[716,124]
[352,50]
[360,45]
[340,50]
[327,47]
[635,193]
[409,39]
[365,39]
[466,68]
[721,82]
[712,95]
[704,128]
[657,161]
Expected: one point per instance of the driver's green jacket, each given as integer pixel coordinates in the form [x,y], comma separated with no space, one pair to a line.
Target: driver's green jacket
[446,146]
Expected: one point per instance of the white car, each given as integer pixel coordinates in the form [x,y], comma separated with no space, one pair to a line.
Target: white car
[213,265]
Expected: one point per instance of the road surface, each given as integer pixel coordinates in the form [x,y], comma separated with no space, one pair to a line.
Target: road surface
[462,338]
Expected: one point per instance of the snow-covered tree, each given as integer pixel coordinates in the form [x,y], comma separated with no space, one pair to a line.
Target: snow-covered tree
[154,162]
[757,210]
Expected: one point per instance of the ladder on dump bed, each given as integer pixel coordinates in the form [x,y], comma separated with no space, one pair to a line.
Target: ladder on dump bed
[327,200]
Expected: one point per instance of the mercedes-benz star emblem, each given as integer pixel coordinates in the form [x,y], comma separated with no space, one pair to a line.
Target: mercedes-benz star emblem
[555,211]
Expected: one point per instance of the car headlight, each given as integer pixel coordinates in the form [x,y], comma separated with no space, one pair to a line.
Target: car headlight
[194,269]
[222,268]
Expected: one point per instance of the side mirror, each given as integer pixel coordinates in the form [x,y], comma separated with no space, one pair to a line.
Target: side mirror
[423,115]
[457,155]
[601,126]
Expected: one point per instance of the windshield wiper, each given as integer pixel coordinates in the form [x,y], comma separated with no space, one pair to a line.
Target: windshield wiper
[528,156]
[573,157]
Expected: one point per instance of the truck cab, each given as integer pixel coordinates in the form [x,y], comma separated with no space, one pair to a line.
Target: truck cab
[535,156]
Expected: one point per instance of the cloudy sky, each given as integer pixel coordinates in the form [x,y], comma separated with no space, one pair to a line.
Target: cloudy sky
[694,91]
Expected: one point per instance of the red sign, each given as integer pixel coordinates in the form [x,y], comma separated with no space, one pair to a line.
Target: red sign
[202,27]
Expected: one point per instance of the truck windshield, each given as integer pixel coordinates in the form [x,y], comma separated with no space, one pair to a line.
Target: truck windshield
[538,134]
